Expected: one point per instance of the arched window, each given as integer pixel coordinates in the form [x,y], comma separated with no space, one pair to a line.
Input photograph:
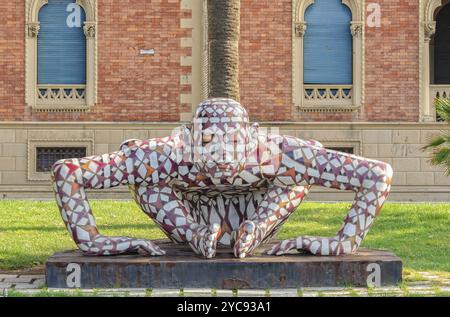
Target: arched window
[61,54]
[328,44]
[328,54]
[434,55]
[61,44]
[442,47]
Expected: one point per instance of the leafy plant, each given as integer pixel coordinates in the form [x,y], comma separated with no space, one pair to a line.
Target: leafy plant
[440,144]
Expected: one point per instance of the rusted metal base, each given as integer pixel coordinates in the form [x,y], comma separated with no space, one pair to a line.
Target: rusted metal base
[180,268]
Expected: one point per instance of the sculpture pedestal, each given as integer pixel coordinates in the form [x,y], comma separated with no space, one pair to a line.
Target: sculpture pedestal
[181,268]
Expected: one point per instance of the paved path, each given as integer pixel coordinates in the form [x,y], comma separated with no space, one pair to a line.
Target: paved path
[11,281]
[429,285]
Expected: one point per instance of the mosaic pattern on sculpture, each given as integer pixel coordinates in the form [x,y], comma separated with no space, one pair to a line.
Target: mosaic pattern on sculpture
[221,181]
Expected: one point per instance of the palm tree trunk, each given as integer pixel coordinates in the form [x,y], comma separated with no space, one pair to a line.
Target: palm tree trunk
[223,37]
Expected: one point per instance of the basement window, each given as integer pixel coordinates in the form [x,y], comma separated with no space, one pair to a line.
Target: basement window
[344,149]
[47,156]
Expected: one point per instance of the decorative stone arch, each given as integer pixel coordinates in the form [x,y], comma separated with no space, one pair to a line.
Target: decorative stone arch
[60,98]
[428,92]
[334,100]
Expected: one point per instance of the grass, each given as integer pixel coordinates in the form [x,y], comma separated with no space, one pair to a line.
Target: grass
[81,293]
[30,231]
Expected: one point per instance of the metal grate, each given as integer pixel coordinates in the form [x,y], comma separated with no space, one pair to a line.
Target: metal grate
[47,156]
[349,150]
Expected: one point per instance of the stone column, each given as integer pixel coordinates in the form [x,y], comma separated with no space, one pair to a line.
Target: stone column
[427,100]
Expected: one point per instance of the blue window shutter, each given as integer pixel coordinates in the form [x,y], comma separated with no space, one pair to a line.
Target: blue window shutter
[328,44]
[61,49]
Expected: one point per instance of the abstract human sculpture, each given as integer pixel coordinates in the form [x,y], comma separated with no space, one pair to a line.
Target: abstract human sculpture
[221,181]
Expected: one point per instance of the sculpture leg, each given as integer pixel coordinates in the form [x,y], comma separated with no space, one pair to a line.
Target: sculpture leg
[165,207]
[70,178]
[374,185]
[276,207]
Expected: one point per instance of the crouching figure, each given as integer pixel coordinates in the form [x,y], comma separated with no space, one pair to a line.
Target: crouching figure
[221,181]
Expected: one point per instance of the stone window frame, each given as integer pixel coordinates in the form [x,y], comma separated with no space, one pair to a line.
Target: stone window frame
[56,99]
[329,103]
[427,91]
[33,144]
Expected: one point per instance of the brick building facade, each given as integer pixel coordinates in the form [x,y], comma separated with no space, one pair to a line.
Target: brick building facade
[140,95]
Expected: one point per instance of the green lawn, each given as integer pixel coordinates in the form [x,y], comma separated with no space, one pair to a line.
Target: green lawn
[419,233]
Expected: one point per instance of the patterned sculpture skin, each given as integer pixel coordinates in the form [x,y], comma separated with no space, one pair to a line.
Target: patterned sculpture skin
[221,181]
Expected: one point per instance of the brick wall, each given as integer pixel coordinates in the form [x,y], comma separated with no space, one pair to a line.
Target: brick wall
[266,59]
[130,87]
[12,55]
[137,88]
[392,64]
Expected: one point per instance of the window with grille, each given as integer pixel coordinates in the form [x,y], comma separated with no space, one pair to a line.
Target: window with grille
[47,156]
[344,149]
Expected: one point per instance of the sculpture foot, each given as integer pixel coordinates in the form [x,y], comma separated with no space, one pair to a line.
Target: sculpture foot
[315,245]
[283,247]
[204,241]
[245,240]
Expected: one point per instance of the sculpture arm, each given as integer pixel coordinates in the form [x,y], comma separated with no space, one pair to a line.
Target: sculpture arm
[275,208]
[131,165]
[370,180]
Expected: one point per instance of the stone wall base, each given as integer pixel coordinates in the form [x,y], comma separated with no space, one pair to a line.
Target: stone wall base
[399,144]
[398,194]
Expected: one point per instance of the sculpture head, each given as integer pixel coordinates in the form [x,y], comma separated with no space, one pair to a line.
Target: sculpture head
[222,138]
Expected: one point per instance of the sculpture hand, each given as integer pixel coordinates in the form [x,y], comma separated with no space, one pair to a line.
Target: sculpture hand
[146,247]
[283,247]
[103,245]
[203,240]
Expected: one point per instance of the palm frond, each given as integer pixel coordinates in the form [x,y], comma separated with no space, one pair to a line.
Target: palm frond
[447,170]
[446,165]
[441,143]
[443,108]
[437,141]
[441,156]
